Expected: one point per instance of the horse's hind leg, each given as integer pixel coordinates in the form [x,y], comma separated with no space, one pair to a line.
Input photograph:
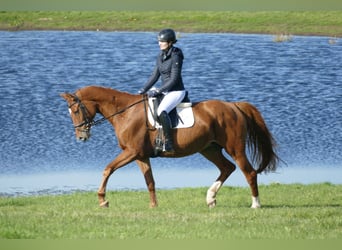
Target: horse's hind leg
[214,154]
[251,177]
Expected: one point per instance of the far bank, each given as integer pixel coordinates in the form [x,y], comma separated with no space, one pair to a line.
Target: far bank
[321,23]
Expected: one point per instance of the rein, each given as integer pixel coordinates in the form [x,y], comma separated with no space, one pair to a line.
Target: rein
[99,121]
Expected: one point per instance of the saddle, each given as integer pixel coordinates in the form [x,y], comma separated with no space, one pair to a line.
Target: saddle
[181,116]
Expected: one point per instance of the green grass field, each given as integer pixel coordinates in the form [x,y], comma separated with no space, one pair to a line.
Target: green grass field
[289,212]
[327,23]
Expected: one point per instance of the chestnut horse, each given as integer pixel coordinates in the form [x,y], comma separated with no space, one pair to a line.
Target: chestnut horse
[218,125]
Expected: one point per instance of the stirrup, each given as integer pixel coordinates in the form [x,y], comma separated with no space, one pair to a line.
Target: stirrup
[159,144]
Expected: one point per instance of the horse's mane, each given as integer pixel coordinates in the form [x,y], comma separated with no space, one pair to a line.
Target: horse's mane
[94,92]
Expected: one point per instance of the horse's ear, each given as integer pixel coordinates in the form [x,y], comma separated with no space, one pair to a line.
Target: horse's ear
[67,96]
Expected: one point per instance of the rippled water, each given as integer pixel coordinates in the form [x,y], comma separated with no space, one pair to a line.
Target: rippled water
[296,85]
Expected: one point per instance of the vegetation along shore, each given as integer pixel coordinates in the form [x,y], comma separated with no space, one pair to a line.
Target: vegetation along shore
[322,23]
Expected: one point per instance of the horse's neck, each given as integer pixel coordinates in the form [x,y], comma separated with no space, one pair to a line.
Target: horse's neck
[109,101]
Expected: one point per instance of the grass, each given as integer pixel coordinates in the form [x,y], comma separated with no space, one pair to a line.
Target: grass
[327,23]
[289,212]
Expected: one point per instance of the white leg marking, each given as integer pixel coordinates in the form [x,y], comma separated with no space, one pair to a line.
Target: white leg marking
[255,202]
[211,193]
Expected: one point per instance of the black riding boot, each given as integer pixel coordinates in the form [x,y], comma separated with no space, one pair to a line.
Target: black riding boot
[166,124]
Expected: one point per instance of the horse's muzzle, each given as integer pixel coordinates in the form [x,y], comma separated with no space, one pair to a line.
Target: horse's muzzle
[82,135]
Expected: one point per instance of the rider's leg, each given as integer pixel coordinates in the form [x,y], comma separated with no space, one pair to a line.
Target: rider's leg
[169,102]
[166,124]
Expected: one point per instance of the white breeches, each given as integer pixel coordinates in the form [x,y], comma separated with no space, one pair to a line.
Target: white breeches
[170,101]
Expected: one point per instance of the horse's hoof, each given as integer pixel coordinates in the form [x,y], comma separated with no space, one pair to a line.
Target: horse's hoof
[153,205]
[104,204]
[255,202]
[212,204]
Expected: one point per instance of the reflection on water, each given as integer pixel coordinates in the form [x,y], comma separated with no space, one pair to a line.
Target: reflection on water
[296,85]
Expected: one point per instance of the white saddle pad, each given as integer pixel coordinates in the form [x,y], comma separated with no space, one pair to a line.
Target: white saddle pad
[185,113]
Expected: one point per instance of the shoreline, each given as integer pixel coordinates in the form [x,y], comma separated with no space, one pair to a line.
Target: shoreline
[304,23]
[65,182]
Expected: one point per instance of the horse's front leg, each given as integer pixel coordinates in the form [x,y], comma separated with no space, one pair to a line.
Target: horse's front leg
[145,167]
[124,158]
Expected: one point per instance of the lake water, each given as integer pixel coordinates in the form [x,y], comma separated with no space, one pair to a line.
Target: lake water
[296,85]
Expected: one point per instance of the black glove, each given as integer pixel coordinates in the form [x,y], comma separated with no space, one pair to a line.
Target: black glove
[153,93]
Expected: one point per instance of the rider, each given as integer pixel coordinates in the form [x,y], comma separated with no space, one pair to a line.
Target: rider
[169,68]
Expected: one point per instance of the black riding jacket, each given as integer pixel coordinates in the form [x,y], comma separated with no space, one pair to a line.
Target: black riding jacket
[169,68]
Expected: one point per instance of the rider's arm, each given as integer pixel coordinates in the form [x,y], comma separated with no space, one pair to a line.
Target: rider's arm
[152,80]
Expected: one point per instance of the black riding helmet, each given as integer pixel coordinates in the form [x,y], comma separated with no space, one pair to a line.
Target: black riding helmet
[167,35]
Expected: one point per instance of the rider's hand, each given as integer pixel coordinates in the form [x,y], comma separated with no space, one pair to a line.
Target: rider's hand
[153,93]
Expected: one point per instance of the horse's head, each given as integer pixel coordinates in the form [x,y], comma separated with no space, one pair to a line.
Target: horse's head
[82,114]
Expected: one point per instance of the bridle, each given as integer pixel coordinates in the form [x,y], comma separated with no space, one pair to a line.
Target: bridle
[88,123]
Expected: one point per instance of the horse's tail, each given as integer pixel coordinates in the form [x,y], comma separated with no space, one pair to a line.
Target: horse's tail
[260,140]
